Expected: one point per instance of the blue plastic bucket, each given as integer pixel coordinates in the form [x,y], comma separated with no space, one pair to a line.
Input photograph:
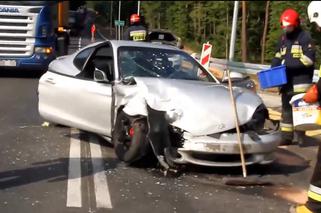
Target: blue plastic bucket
[273,77]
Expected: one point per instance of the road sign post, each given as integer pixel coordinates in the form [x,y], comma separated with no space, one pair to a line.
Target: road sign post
[119,6]
[120,23]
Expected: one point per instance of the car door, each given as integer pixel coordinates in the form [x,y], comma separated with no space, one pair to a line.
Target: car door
[79,101]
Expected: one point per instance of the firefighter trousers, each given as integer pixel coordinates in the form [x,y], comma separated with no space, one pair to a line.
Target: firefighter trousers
[286,125]
[314,193]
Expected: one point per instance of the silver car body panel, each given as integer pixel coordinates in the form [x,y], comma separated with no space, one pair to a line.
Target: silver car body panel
[74,102]
[201,109]
[191,105]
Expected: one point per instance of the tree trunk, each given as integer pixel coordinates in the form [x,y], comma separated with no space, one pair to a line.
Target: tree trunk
[266,24]
[227,33]
[244,32]
[199,32]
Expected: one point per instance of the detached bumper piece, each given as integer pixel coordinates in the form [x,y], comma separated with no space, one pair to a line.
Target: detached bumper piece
[222,150]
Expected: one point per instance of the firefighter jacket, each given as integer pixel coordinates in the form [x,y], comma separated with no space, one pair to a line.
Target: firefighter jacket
[136,33]
[297,52]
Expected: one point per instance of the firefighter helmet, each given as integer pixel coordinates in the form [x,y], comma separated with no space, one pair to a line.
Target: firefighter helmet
[314,12]
[289,18]
[134,18]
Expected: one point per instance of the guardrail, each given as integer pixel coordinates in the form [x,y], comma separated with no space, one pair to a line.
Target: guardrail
[246,68]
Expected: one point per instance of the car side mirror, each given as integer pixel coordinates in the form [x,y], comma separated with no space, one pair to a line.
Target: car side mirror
[100,76]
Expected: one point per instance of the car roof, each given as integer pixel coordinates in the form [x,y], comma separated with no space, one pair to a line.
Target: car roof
[160,30]
[120,43]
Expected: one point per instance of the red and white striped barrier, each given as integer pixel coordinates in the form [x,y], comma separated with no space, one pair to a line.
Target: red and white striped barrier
[206,55]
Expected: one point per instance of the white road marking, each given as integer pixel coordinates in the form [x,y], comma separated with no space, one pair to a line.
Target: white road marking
[74,172]
[100,180]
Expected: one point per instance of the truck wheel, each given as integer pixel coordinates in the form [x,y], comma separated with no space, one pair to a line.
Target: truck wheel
[129,138]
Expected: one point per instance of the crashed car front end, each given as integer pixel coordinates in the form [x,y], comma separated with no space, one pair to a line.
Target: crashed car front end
[223,149]
[196,121]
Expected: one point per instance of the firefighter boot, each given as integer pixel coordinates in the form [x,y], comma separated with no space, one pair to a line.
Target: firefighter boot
[287,138]
[298,137]
[300,209]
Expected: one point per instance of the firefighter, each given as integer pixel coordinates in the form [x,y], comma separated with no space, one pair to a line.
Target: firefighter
[137,31]
[314,194]
[296,51]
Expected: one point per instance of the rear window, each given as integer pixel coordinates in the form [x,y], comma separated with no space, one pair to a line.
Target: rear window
[161,36]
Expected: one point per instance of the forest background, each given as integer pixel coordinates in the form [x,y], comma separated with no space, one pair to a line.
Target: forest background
[197,22]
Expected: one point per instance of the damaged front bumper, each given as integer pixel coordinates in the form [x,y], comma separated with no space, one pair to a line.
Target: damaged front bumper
[222,150]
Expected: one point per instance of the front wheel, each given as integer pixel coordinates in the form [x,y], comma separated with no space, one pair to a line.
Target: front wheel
[130,138]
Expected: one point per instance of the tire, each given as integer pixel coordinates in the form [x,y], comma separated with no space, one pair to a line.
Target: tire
[132,147]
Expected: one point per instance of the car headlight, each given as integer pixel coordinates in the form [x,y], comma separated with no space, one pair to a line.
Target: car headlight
[251,86]
[174,114]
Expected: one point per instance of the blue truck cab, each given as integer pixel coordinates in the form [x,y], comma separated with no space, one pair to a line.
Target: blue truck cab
[27,37]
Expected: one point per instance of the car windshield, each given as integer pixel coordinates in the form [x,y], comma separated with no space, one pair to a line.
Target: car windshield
[160,63]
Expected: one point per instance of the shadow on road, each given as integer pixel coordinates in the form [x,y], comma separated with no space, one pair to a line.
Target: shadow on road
[56,169]
[286,163]
[312,141]
[51,171]
[14,73]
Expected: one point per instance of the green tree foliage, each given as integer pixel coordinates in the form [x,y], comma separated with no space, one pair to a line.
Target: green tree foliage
[104,9]
[179,24]
[197,22]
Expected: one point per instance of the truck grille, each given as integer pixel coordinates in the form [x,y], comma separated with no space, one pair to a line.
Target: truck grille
[15,24]
[17,33]
[13,17]
[13,45]
[13,31]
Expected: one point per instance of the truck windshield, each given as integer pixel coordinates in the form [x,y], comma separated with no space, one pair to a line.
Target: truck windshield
[24,3]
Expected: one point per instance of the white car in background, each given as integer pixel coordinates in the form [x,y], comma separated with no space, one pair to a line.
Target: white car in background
[161,36]
[130,93]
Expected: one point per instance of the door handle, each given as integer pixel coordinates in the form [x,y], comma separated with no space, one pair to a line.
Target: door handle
[50,81]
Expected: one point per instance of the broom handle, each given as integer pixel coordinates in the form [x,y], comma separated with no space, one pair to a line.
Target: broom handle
[237,125]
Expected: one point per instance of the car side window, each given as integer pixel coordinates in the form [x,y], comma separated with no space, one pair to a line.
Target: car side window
[81,58]
[101,59]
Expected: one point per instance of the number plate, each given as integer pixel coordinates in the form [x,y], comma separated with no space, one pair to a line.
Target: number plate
[8,63]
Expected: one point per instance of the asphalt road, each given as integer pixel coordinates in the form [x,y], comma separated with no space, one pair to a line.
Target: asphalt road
[58,169]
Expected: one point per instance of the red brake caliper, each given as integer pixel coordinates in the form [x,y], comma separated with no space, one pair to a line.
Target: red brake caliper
[131,132]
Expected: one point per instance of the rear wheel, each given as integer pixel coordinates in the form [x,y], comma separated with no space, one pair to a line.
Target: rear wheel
[130,138]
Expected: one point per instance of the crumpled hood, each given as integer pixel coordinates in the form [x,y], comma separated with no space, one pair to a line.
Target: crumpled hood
[200,108]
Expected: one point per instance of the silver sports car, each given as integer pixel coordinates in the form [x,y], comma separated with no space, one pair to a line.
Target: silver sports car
[155,99]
